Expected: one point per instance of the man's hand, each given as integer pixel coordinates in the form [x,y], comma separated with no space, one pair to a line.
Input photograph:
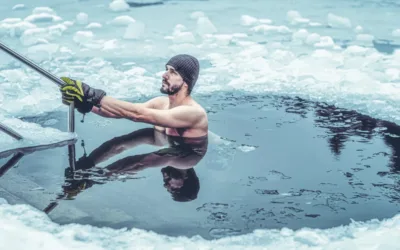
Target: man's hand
[83,96]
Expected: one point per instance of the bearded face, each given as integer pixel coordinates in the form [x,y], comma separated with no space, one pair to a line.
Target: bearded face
[172,82]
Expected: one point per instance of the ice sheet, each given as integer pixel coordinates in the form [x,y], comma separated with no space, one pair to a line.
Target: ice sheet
[22,225]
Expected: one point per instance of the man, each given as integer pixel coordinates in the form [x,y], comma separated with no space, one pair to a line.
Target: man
[177,115]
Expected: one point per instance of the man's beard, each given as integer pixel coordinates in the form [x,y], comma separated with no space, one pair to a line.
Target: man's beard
[170,91]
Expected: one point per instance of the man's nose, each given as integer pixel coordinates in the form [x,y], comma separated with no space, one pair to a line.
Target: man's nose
[165,75]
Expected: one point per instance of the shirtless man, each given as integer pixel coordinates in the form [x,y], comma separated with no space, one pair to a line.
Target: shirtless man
[177,114]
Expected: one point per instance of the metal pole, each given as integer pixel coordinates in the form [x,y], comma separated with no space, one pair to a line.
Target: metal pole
[11,163]
[10,132]
[53,78]
[48,75]
[31,64]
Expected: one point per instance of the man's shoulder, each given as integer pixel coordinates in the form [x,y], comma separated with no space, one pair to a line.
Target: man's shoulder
[158,102]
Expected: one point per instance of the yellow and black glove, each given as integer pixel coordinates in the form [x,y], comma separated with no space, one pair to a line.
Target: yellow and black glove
[83,96]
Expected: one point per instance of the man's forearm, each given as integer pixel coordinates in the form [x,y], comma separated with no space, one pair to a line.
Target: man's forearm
[104,113]
[121,109]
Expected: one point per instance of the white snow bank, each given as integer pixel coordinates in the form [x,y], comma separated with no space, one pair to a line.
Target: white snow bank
[22,225]
[33,135]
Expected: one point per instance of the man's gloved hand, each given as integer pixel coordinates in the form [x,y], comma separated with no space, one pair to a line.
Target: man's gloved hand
[85,162]
[83,96]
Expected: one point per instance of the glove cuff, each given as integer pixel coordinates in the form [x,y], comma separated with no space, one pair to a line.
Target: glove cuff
[93,96]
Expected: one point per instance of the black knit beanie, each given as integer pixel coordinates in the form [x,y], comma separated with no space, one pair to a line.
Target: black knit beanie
[187,66]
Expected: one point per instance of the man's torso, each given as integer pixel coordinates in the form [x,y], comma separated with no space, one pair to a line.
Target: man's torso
[196,131]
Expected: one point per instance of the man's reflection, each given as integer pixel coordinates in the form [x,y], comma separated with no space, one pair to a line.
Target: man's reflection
[177,160]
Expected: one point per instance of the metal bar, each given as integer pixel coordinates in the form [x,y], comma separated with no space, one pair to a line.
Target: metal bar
[51,77]
[71,156]
[11,163]
[10,132]
[50,207]
[31,64]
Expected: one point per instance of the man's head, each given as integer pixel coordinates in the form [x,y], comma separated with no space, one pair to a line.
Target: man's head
[182,72]
[182,185]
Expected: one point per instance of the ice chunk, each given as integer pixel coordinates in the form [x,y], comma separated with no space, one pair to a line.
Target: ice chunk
[358,29]
[33,36]
[246,148]
[355,50]
[110,44]
[134,30]
[16,29]
[42,52]
[223,39]
[18,7]
[13,75]
[247,20]
[265,21]
[42,17]
[97,62]
[205,26]
[265,28]
[325,41]
[294,17]
[32,133]
[118,6]
[338,21]
[179,28]
[11,20]
[47,10]
[313,39]
[365,37]
[93,26]
[301,34]
[57,29]
[122,21]
[184,48]
[393,74]
[184,37]
[83,36]
[197,15]
[136,71]
[321,53]
[82,18]
[282,56]
[396,33]
[239,35]
[68,23]
[314,24]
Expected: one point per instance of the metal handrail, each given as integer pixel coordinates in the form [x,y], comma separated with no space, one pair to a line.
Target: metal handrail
[48,75]
[51,77]
[10,132]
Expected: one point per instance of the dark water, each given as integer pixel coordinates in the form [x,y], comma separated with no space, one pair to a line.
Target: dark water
[281,162]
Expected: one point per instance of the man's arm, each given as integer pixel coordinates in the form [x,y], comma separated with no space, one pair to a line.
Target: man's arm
[154,103]
[119,144]
[178,117]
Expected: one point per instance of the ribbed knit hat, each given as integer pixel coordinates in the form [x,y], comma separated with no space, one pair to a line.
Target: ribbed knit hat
[187,66]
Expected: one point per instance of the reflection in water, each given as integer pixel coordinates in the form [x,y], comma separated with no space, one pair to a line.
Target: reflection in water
[177,161]
[345,125]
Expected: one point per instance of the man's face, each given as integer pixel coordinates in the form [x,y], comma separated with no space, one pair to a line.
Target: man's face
[171,183]
[172,82]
